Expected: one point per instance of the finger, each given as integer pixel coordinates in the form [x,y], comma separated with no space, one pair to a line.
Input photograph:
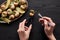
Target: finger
[20,25]
[23,23]
[20,31]
[41,20]
[26,28]
[51,23]
[48,19]
[45,23]
[29,29]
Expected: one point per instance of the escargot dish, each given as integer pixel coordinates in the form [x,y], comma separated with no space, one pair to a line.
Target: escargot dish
[11,10]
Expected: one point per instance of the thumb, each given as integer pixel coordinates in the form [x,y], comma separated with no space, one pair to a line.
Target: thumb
[29,29]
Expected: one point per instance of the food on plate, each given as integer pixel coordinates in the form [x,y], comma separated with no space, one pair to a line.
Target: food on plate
[16,3]
[23,2]
[11,17]
[7,4]
[23,6]
[4,14]
[2,6]
[11,10]
[17,13]
[20,10]
[12,6]
[31,13]
[0,11]
[6,20]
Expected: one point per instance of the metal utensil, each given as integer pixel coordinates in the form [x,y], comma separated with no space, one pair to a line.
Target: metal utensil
[40,15]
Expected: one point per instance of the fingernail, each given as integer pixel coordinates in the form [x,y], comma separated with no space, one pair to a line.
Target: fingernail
[30,24]
[24,19]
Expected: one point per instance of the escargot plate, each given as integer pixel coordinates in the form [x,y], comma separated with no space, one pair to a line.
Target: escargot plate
[9,9]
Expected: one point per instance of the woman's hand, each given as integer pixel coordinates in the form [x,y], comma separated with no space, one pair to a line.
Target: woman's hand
[24,31]
[48,27]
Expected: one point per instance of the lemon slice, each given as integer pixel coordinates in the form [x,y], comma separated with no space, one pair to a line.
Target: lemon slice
[20,10]
[7,4]
[6,20]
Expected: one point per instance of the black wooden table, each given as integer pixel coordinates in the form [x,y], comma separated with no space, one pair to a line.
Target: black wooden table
[49,8]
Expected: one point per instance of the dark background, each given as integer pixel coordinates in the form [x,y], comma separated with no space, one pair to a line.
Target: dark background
[50,8]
